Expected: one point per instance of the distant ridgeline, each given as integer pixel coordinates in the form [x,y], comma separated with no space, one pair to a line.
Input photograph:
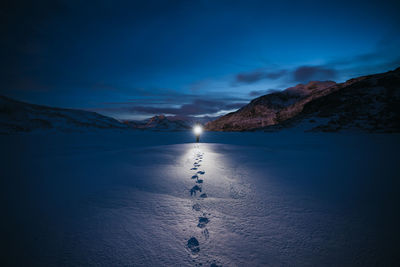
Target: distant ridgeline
[368,103]
[168,123]
[16,116]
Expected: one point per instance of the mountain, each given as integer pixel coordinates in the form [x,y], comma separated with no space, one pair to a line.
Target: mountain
[368,103]
[168,123]
[269,109]
[160,123]
[17,116]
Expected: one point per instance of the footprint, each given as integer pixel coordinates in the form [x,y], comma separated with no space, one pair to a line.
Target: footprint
[196,207]
[199,181]
[194,190]
[193,169]
[206,233]
[202,222]
[195,176]
[204,195]
[193,245]
[201,172]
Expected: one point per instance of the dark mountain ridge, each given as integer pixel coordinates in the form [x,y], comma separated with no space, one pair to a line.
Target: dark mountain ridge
[17,116]
[168,123]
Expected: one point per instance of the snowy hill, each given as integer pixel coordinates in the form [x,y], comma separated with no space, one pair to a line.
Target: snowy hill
[264,110]
[164,123]
[366,103]
[16,116]
[168,123]
[369,103]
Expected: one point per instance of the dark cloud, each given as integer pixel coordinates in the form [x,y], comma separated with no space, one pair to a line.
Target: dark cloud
[255,76]
[250,77]
[305,74]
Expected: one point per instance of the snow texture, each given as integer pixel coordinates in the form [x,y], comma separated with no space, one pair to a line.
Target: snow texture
[266,199]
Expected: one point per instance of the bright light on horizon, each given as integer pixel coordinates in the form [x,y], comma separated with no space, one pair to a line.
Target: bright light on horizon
[197,129]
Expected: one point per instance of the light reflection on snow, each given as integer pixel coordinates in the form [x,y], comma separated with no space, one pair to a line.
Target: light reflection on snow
[282,203]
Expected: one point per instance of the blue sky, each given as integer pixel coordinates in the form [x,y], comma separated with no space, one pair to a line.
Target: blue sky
[135,59]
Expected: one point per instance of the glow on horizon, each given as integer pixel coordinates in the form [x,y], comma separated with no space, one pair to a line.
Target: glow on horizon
[197,130]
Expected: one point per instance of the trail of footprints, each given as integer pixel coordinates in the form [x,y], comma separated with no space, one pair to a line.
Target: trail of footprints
[196,191]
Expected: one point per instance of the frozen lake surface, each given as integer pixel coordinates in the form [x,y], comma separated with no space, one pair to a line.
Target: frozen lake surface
[236,199]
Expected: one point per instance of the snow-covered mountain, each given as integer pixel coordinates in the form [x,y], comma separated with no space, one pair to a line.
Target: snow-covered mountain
[168,123]
[17,116]
[370,103]
[367,103]
[265,110]
[160,123]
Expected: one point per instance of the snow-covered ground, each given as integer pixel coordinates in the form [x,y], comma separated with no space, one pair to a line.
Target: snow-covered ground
[133,199]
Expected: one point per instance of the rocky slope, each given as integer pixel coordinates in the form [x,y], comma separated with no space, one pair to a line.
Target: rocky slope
[271,108]
[368,102]
[16,116]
